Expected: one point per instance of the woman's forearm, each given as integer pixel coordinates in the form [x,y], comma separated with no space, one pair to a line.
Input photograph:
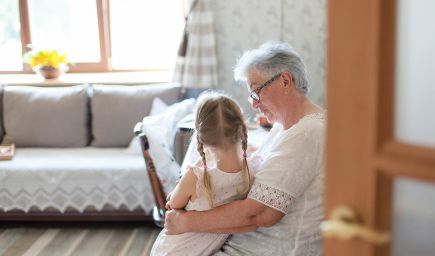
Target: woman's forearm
[226,217]
[229,217]
[236,230]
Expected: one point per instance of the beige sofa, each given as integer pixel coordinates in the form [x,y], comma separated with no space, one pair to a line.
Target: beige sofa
[76,157]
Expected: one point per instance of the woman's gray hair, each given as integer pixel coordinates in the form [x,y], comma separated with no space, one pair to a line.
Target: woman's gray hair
[270,59]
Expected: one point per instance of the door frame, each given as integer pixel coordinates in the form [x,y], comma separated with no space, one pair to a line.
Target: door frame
[362,155]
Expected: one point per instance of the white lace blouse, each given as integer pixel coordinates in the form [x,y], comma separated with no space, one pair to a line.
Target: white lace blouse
[290,179]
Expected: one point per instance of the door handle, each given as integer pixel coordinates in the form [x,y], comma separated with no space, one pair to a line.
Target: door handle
[345,225]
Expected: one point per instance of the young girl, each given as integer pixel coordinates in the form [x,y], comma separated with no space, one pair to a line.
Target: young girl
[221,131]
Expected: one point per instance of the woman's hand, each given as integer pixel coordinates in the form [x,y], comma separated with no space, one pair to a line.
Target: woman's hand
[251,149]
[173,223]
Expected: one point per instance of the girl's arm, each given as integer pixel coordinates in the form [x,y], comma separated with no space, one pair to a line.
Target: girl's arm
[184,191]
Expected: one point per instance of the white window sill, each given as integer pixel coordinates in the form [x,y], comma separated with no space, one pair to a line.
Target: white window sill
[129,78]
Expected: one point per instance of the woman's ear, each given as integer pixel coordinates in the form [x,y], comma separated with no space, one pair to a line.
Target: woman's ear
[287,77]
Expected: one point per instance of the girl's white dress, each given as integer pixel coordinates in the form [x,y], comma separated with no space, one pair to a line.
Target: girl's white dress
[225,187]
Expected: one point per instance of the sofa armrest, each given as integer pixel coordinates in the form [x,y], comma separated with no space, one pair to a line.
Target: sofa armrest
[156,185]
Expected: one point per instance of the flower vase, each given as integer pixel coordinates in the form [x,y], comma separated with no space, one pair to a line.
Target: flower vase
[50,72]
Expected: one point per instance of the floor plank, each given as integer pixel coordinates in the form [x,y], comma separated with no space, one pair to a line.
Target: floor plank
[77,240]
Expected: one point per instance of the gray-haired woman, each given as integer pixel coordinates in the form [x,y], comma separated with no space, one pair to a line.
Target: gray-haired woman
[283,210]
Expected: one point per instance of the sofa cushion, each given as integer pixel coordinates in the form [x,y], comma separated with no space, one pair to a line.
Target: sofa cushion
[157,107]
[115,109]
[45,117]
[1,113]
[74,178]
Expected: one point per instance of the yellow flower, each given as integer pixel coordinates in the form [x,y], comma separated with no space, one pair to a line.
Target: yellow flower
[45,58]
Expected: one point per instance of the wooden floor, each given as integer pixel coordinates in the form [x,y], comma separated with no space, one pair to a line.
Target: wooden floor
[66,239]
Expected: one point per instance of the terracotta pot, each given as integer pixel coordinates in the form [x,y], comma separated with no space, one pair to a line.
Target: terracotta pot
[48,72]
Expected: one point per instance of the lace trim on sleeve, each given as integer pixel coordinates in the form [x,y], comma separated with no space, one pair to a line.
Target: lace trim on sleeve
[271,197]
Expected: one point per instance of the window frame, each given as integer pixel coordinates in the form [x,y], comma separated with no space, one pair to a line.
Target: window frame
[103,13]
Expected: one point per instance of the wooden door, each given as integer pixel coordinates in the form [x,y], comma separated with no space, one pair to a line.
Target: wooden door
[364,158]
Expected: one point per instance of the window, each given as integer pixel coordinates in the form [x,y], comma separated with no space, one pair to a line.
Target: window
[10,37]
[98,36]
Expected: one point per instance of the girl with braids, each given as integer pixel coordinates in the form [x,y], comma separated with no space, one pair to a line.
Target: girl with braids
[221,132]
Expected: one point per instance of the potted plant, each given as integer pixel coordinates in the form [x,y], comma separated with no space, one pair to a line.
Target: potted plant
[48,63]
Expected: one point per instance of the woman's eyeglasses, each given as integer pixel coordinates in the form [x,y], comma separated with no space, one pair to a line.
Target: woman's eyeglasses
[255,94]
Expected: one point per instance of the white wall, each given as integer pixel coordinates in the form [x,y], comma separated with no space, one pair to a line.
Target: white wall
[246,24]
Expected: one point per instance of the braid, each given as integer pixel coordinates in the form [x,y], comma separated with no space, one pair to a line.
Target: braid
[201,153]
[206,179]
[244,140]
[247,177]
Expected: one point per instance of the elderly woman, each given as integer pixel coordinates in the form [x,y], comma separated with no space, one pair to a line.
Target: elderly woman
[283,210]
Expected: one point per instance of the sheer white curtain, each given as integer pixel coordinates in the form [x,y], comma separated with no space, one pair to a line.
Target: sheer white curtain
[198,67]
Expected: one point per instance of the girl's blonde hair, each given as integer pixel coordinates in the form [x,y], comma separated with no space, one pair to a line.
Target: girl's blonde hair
[219,122]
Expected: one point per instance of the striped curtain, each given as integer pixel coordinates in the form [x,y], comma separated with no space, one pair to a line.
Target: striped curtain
[198,67]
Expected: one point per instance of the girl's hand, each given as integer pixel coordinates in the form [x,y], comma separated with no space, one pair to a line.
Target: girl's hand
[168,206]
[173,224]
